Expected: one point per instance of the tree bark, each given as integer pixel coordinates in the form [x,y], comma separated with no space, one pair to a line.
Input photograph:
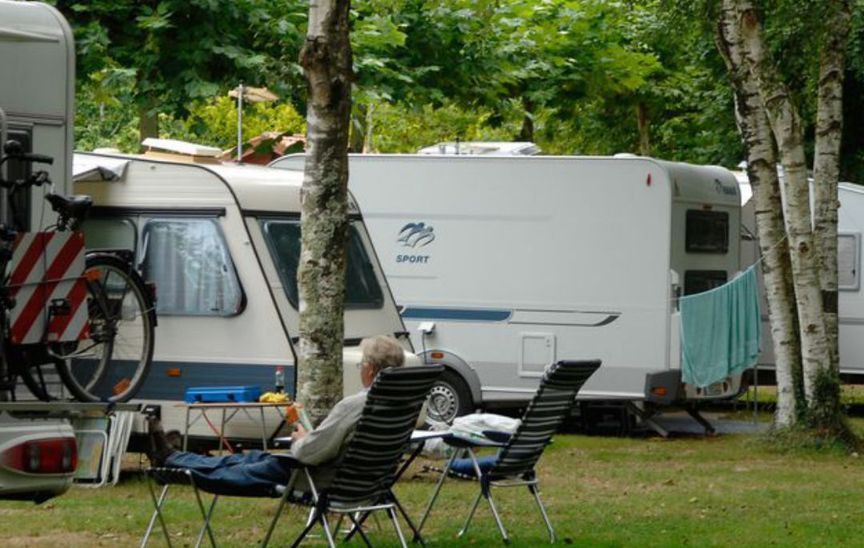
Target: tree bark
[526,132]
[357,138]
[762,172]
[148,119]
[326,59]
[644,129]
[786,127]
[826,162]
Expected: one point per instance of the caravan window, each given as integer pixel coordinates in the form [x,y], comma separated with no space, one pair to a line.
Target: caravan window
[698,281]
[707,231]
[848,262]
[361,287]
[19,206]
[189,262]
[110,233]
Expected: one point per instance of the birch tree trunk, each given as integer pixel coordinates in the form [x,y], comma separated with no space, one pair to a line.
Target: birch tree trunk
[826,161]
[786,126]
[825,405]
[762,172]
[326,59]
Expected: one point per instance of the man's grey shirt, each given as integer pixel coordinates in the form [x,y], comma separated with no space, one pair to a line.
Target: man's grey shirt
[326,444]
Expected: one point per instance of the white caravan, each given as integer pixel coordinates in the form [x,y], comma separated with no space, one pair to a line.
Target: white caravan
[37,92]
[504,265]
[850,226]
[221,242]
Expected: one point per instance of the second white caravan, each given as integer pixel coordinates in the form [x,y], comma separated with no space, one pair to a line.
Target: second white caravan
[221,243]
[502,266]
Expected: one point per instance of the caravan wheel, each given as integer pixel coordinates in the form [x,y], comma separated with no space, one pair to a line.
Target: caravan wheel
[449,398]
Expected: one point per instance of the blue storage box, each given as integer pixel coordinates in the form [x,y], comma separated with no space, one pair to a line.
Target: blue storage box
[222,394]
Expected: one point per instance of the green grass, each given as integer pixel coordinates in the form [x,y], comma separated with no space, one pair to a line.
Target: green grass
[721,491]
[851,394]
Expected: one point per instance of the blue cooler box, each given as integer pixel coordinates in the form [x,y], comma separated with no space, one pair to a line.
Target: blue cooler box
[223,394]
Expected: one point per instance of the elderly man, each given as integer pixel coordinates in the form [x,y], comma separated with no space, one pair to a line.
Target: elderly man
[258,473]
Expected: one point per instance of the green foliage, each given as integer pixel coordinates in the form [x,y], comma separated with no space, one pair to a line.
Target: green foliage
[215,122]
[407,129]
[102,115]
[429,70]
[186,50]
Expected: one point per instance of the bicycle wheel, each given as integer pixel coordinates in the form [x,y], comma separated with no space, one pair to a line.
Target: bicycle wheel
[112,363]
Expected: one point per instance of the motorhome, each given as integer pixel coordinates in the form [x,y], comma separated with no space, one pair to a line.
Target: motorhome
[221,242]
[501,266]
[37,81]
[850,226]
[37,93]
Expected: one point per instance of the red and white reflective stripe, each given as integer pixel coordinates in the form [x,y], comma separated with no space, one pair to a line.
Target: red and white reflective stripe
[47,266]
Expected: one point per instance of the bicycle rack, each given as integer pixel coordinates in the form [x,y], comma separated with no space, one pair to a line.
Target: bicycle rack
[4,131]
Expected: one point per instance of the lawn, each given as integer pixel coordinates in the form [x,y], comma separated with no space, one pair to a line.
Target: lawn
[720,491]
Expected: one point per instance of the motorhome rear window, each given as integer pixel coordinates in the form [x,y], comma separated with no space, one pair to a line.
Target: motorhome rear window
[189,262]
[362,289]
[707,231]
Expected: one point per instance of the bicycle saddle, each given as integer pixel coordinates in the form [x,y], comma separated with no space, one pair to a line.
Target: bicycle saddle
[70,206]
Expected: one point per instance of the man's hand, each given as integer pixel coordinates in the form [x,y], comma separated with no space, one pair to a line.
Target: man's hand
[299,432]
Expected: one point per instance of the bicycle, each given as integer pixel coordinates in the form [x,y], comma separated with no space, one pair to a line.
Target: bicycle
[89,315]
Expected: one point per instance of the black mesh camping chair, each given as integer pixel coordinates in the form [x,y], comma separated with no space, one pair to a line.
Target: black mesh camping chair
[515,463]
[367,471]
[365,474]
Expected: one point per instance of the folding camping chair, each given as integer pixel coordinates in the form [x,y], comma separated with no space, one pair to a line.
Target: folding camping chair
[365,473]
[515,463]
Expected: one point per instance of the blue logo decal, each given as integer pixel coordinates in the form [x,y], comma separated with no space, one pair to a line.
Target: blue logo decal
[416,235]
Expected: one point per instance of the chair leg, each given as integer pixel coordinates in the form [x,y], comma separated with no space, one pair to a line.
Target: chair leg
[272,527]
[358,528]
[435,494]
[392,513]
[205,515]
[309,525]
[471,514]
[417,537]
[157,514]
[536,492]
[497,518]
[330,541]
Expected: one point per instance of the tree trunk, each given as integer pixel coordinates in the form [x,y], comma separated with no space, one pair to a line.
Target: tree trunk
[762,172]
[786,126]
[357,138]
[148,119]
[826,162]
[644,129]
[368,144]
[825,404]
[326,59]
[526,132]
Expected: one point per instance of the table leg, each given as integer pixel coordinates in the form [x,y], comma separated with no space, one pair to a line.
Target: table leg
[186,430]
[222,432]
[263,430]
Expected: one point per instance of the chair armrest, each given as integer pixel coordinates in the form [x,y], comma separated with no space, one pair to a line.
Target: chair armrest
[498,436]
[282,443]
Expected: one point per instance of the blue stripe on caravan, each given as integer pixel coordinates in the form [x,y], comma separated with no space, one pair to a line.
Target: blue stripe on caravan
[160,386]
[461,314]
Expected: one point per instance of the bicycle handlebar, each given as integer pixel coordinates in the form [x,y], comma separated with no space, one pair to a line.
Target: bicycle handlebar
[32,158]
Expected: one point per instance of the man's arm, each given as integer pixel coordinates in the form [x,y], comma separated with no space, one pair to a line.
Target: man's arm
[324,443]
